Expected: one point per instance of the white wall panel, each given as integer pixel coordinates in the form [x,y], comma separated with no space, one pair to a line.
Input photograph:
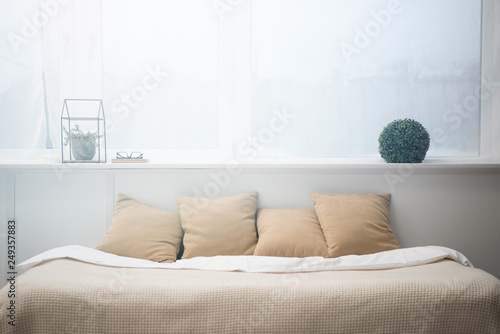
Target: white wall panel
[53,212]
[454,208]
[3,224]
[460,211]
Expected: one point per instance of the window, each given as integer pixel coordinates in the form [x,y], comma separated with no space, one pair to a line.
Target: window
[197,79]
[345,69]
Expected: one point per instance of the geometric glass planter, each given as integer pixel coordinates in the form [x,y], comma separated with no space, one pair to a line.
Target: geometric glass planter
[83,131]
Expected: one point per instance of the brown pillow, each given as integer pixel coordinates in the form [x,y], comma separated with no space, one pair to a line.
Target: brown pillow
[355,224]
[218,226]
[289,233]
[142,231]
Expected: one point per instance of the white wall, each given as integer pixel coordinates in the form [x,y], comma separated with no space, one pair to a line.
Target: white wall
[453,207]
[3,216]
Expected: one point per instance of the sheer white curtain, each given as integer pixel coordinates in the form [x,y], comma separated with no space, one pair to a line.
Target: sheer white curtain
[29,77]
[344,69]
[160,74]
[153,62]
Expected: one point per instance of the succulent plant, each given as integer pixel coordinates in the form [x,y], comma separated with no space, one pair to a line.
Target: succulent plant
[83,145]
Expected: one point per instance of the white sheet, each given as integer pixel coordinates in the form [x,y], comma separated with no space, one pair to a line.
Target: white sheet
[398,258]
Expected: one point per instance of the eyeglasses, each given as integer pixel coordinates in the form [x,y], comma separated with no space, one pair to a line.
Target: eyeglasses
[125,155]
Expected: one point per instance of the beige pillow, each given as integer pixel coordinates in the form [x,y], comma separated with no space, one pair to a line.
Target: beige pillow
[218,226]
[142,231]
[289,233]
[355,224]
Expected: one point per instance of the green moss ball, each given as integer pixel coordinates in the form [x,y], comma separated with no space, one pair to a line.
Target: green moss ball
[404,141]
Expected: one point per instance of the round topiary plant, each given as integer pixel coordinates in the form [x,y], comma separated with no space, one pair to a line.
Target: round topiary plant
[404,141]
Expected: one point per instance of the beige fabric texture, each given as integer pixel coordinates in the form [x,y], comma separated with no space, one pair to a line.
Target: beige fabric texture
[68,296]
[141,231]
[289,233]
[355,224]
[218,226]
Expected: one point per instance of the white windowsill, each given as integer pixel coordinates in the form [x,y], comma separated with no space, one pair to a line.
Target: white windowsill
[311,164]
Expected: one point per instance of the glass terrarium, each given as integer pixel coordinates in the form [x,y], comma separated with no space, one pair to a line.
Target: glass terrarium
[83,131]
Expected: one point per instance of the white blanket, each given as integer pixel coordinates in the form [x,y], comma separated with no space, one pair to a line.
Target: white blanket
[405,257]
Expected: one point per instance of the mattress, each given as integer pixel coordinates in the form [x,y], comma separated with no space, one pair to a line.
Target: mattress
[69,295]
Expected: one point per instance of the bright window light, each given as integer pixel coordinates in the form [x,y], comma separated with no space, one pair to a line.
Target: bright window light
[346,68]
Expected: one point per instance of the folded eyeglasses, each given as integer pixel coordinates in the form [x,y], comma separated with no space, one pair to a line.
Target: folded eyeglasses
[125,155]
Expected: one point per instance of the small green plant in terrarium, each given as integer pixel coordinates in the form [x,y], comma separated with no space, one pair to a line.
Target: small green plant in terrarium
[83,145]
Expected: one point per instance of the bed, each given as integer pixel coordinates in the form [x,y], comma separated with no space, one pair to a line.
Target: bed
[412,290]
[221,266]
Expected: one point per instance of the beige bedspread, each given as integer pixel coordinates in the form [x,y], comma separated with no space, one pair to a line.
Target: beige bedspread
[69,296]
